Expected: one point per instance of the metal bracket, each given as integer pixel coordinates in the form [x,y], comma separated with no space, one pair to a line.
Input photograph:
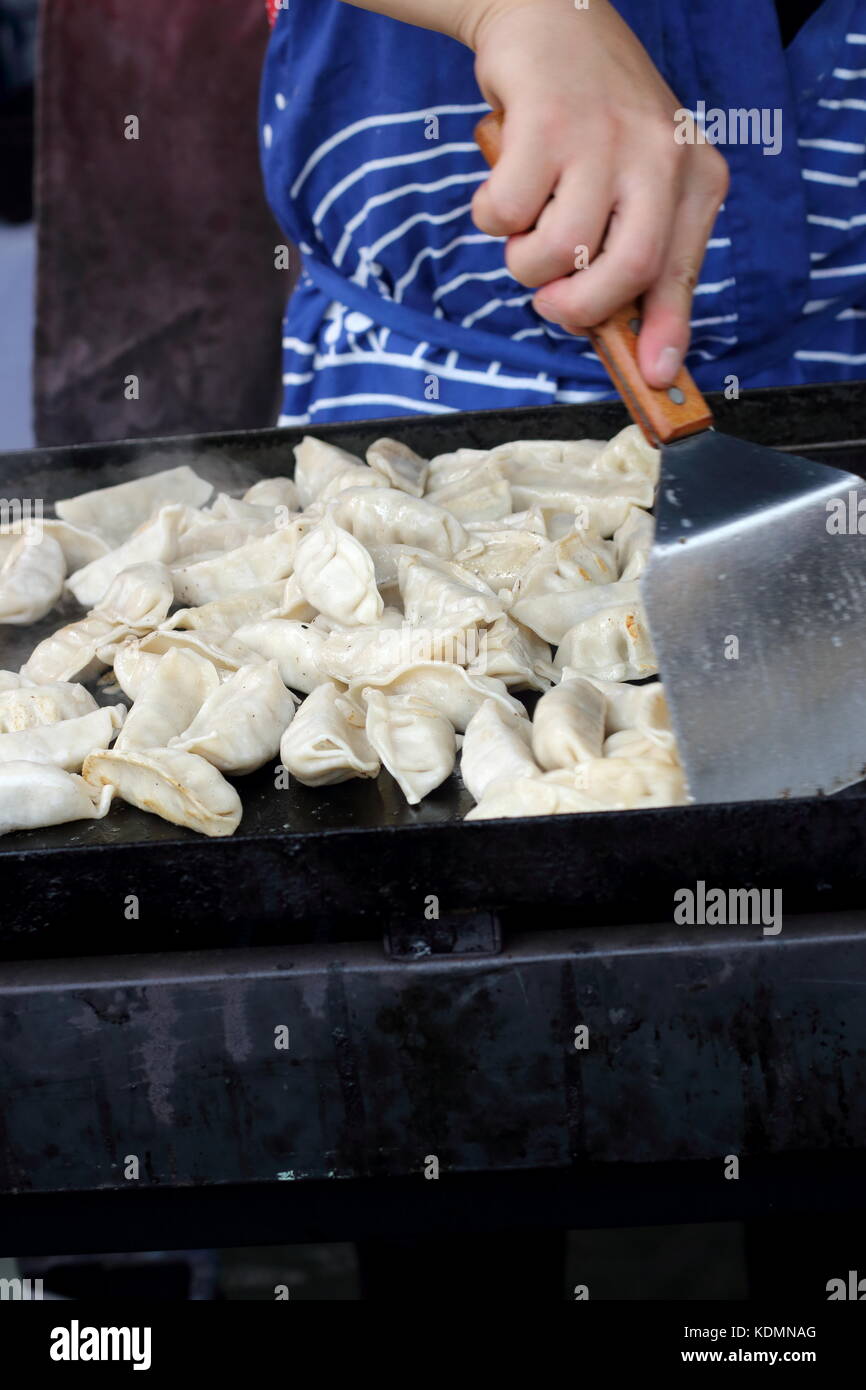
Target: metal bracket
[453,934]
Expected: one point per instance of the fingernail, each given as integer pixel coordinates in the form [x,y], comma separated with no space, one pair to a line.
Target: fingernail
[668,363]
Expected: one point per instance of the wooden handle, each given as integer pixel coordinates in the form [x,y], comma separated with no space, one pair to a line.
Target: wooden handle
[662,415]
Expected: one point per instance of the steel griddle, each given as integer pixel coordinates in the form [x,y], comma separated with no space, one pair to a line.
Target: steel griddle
[331,865]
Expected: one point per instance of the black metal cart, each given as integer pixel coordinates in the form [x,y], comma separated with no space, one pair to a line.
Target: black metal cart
[356,1017]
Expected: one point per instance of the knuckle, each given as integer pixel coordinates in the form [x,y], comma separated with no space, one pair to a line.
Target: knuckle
[521,265]
[506,211]
[640,264]
[684,272]
[718,175]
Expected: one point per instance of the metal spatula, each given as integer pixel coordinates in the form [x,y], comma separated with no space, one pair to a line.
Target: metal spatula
[755,592]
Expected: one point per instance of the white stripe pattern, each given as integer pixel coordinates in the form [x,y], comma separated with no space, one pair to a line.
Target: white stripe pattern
[371,122]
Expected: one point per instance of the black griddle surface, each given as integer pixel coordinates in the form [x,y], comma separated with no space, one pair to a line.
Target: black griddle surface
[302,855]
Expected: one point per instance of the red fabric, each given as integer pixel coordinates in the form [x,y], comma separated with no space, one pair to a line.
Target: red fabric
[273,6]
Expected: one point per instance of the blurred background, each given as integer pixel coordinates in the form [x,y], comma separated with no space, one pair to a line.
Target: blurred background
[17,236]
[134,246]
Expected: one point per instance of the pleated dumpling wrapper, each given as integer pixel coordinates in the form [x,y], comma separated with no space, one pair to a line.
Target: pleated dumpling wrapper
[295,647]
[497,747]
[137,601]
[240,724]
[399,465]
[66,744]
[156,542]
[415,742]
[32,572]
[336,575]
[169,700]
[115,512]
[29,707]
[33,795]
[326,742]
[448,688]
[180,787]
[568,725]
[386,516]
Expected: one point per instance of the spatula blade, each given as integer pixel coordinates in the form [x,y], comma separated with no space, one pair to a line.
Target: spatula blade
[756,603]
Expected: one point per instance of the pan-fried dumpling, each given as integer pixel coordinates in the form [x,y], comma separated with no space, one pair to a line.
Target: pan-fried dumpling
[226,615]
[399,465]
[496,747]
[627,784]
[640,708]
[295,647]
[551,613]
[448,688]
[225,654]
[568,725]
[139,596]
[66,744]
[336,575]
[385,516]
[532,796]
[501,557]
[157,541]
[628,457]
[30,707]
[263,560]
[633,541]
[79,547]
[610,638]
[560,458]
[10,680]
[249,514]
[71,652]
[31,578]
[240,724]
[567,509]
[168,701]
[115,512]
[33,795]
[364,653]
[136,601]
[355,475]
[579,558]
[200,535]
[316,464]
[386,561]
[180,787]
[630,743]
[415,742]
[392,618]
[132,666]
[326,741]
[438,592]
[274,492]
[445,469]
[515,655]
[532,520]
[481,494]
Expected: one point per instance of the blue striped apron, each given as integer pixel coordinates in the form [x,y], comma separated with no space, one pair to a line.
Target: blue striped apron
[404,307]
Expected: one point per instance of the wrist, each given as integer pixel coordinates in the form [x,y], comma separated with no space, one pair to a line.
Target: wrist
[479,17]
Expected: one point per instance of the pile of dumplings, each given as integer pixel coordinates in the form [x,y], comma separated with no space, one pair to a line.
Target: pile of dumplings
[361,615]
